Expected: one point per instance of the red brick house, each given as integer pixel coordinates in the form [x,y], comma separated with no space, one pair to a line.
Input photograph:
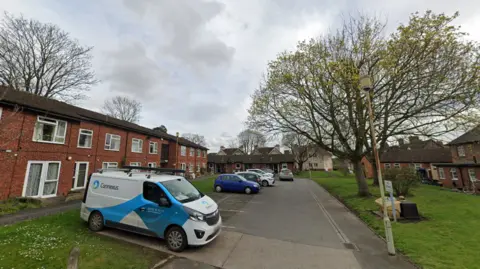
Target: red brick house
[48,148]
[464,172]
[229,160]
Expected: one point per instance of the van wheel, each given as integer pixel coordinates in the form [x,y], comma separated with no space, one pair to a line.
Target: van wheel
[95,221]
[176,239]
[248,190]
[218,188]
[265,183]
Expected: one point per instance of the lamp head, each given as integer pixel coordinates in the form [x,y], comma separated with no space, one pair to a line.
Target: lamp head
[366,83]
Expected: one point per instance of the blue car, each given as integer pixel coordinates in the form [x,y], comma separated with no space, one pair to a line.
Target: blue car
[235,183]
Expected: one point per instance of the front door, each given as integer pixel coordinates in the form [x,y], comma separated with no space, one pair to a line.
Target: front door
[80,174]
[41,179]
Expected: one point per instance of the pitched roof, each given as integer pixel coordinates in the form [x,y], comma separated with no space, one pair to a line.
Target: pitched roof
[420,144]
[437,155]
[245,158]
[230,151]
[264,150]
[468,137]
[60,109]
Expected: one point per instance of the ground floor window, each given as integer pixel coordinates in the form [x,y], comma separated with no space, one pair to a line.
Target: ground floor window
[472,175]
[453,171]
[387,166]
[441,173]
[198,168]
[41,179]
[80,174]
[109,165]
[396,165]
[135,164]
[152,165]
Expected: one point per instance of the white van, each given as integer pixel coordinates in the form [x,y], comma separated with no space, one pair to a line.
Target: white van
[164,206]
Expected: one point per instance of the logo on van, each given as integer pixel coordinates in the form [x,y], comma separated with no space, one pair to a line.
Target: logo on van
[96,183]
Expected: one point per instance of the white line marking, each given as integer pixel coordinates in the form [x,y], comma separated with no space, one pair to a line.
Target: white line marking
[162,262]
[228,227]
[223,199]
[231,210]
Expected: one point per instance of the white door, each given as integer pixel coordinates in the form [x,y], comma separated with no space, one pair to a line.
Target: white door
[80,175]
[41,179]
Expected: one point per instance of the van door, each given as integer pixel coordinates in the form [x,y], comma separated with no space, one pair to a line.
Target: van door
[154,217]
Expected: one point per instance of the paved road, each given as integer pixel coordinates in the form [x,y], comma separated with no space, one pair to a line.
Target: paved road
[292,225]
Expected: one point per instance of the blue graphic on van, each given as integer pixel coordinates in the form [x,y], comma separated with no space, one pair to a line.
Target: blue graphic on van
[96,184]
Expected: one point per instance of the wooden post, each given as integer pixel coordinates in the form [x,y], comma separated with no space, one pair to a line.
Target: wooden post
[73,259]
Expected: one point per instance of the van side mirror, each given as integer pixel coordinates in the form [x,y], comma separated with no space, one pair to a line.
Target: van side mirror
[164,202]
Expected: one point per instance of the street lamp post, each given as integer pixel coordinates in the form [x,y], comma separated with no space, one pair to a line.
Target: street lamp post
[176,153]
[366,85]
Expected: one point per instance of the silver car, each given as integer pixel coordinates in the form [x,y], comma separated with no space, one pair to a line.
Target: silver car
[285,174]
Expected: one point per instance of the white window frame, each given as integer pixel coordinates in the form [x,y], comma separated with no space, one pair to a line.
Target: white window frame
[155,147]
[152,164]
[456,174]
[461,151]
[474,178]
[191,152]
[80,134]
[237,166]
[75,180]
[417,165]
[396,165]
[198,168]
[43,177]
[139,143]
[136,164]
[183,166]
[45,120]
[1,111]
[387,165]
[183,151]
[199,153]
[109,165]
[112,136]
[441,173]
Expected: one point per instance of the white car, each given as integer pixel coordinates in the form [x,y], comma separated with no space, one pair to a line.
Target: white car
[261,172]
[264,180]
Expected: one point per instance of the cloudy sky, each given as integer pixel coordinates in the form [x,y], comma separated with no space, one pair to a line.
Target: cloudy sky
[194,63]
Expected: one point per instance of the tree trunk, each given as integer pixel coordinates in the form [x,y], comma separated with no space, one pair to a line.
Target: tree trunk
[300,166]
[360,177]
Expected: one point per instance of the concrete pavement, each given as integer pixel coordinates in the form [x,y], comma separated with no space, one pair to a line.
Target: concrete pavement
[292,225]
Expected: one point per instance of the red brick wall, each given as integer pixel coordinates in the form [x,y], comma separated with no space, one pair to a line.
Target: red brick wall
[471,150]
[367,167]
[187,159]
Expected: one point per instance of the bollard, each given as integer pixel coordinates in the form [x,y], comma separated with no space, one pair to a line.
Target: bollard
[73,259]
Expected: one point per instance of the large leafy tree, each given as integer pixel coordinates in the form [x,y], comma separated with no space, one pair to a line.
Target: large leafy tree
[425,75]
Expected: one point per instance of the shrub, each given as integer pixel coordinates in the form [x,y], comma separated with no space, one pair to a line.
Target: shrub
[403,179]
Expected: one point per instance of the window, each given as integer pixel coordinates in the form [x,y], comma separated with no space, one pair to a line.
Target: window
[461,151]
[198,168]
[135,164]
[204,153]
[191,152]
[190,167]
[50,130]
[109,165]
[204,165]
[387,166]
[396,165]
[1,110]
[441,173]
[41,179]
[112,142]
[85,138]
[472,175]
[199,152]
[183,151]
[80,173]
[315,164]
[152,192]
[152,165]
[137,145]
[183,166]
[453,171]
[417,165]
[237,166]
[153,148]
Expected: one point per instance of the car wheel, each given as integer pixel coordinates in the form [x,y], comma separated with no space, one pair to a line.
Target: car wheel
[176,239]
[248,190]
[264,183]
[95,221]
[218,188]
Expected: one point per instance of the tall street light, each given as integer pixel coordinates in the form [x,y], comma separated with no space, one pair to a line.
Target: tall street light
[176,152]
[367,86]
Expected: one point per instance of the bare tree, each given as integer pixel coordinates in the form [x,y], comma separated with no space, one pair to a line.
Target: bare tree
[123,108]
[195,138]
[161,128]
[425,74]
[43,59]
[249,139]
[301,147]
[232,143]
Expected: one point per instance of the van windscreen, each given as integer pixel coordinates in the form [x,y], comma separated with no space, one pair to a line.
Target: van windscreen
[182,190]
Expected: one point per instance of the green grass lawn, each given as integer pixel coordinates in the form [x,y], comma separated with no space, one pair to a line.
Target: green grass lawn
[320,174]
[14,205]
[204,185]
[46,243]
[449,238]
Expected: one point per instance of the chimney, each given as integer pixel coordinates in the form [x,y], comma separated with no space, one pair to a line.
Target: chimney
[401,142]
[413,138]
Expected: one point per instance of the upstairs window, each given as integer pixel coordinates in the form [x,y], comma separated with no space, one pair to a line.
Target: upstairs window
[191,152]
[183,151]
[198,152]
[461,151]
[85,138]
[153,148]
[50,130]
[112,142]
[137,145]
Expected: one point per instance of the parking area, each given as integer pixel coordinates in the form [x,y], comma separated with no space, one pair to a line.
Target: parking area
[291,225]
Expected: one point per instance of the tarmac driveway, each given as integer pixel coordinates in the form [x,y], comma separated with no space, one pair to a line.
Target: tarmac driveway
[291,225]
